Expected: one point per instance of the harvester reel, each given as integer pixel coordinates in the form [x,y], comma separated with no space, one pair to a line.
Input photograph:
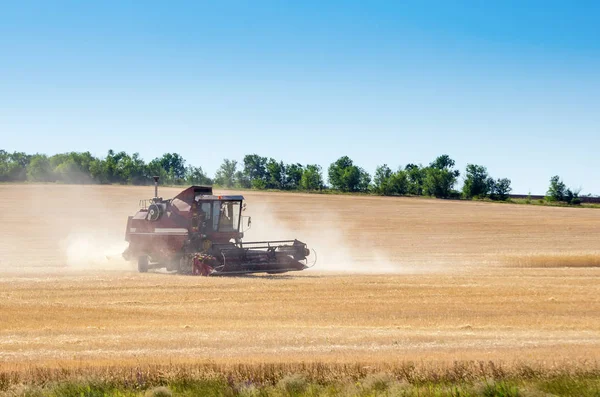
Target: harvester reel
[314,261]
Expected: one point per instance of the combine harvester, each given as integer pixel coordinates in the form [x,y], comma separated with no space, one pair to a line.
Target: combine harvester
[199,233]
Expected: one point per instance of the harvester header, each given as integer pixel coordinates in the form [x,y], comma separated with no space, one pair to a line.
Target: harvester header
[200,233]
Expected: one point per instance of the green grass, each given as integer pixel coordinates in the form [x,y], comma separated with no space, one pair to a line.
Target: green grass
[550,203]
[300,388]
[457,381]
[569,386]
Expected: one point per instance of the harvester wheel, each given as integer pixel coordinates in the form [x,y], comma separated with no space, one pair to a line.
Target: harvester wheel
[143,264]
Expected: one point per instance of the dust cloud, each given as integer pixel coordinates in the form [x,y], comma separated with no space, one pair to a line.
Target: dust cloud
[93,236]
[65,228]
[92,249]
[323,234]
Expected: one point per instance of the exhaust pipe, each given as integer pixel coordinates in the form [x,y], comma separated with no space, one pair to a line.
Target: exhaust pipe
[156,178]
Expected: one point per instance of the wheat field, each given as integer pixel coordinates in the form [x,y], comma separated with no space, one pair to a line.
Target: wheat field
[397,279]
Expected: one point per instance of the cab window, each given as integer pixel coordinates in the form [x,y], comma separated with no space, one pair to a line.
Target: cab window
[229,216]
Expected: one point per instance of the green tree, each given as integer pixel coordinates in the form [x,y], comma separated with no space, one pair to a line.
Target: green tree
[443,162]
[259,184]
[13,166]
[338,178]
[416,178]
[346,177]
[381,180]
[174,165]
[293,176]
[69,172]
[389,183]
[98,171]
[4,166]
[117,168]
[134,170]
[477,182]
[39,169]
[557,190]
[399,183]
[123,166]
[364,180]
[275,175]
[154,168]
[440,178]
[110,166]
[225,175]
[572,196]
[438,183]
[255,171]
[311,178]
[72,167]
[196,176]
[500,189]
[242,180]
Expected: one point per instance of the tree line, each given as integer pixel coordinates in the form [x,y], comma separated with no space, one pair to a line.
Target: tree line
[75,167]
[438,179]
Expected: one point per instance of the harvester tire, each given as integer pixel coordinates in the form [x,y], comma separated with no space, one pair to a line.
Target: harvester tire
[143,264]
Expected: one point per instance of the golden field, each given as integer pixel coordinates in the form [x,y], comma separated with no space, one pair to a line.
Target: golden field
[397,279]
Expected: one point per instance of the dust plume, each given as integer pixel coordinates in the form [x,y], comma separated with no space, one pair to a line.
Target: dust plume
[93,249]
[323,233]
[93,235]
[66,228]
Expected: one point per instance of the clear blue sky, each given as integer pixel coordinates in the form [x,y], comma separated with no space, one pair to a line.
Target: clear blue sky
[513,85]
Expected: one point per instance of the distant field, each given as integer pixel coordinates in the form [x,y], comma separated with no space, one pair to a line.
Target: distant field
[396,279]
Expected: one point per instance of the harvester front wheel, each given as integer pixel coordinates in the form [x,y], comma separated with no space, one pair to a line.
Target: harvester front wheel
[143,264]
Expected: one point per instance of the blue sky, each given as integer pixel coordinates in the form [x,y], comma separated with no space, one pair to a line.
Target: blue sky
[512,85]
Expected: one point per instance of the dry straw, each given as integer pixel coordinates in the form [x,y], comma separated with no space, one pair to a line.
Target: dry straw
[295,375]
[554,260]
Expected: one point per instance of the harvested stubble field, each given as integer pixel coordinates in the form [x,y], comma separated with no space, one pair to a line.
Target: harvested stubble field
[397,280]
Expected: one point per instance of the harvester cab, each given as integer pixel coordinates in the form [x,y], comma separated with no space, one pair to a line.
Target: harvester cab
[199,233]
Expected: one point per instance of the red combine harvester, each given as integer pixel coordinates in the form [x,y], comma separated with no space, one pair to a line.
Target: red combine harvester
[199,233]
